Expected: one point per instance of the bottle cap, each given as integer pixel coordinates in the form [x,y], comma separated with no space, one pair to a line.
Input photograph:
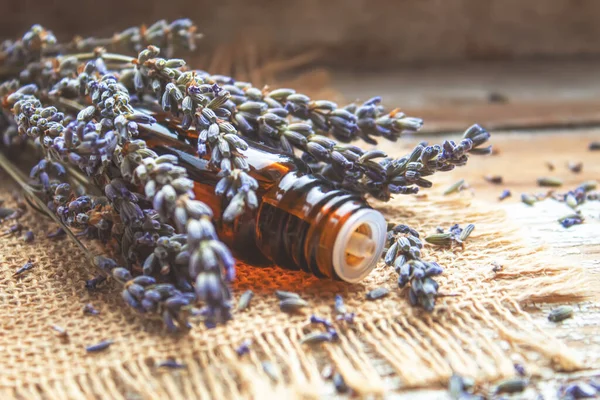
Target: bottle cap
[359,245]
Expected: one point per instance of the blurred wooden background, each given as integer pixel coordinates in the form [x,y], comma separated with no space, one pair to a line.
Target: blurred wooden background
[503,63]
[356,33]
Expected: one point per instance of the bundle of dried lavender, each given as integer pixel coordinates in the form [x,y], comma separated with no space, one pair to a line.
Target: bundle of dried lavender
[81,108]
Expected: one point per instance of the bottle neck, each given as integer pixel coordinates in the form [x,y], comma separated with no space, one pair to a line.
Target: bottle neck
[303,223]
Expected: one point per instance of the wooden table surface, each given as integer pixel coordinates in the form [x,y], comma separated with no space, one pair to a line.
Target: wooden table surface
[521,160]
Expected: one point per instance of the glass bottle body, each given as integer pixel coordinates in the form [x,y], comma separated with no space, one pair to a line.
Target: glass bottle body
[301,222]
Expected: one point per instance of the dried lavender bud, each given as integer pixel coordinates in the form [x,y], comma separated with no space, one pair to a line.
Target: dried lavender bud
[377,293]
[14,229]
[319,320]
[29,237]
[520,369]
[505,194]
[549,182]
[316,338]
[327,372]
[93,283]
[466,232]
[511,386]
[571,200]
[121,274]
[60,331]
[528,199]
[588,185]
[57,233]
[339,306]
[594,146]
[339,383]
[341,311]
[455,187]
[243,348]
[292,304]
[170,364]
[575,167]
[6,212]
[270,370]
[550,165]
[456,387]
[570,220]
[244,301]
[560,314]
[89,309]
[579,390]
[99,346]
[496,267]
[495,179]
[440,239]
[283,295]
[26,267]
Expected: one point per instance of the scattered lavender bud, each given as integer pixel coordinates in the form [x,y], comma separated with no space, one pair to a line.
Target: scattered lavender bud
[6,212]
[440,239]
[520,369]
[569,221]
[244,301]
[549,182]
[594,146]
[60,331]
[244,348]
[29,237]
[560,314]
[93,283]
[341,311]
[292,305]
[26,267]
[495,179]
[575,167]
[320,320]
[99,346]
[528,199]
[57,233]
[270,370]
[505,194]
[550,165]
[283,295]
[495,97]
[339,383]
[496,267]
[90,310]
[466,232]
[171,364]
[455,187]
[580,390]
[316,337]
[588,186]
[377,293]
[511,386]
[339,306]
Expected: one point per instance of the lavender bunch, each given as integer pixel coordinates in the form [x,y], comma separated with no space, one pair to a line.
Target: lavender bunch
[96,141]
[84,111]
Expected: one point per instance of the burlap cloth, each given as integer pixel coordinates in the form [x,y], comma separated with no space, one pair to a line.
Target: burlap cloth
[479,332]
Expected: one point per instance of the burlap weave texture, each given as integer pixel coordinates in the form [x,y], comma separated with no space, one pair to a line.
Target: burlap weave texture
[478,331]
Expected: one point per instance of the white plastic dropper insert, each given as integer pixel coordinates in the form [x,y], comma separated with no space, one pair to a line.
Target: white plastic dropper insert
[359,245]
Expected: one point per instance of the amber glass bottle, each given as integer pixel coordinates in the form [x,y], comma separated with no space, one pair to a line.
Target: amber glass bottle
[301,222]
